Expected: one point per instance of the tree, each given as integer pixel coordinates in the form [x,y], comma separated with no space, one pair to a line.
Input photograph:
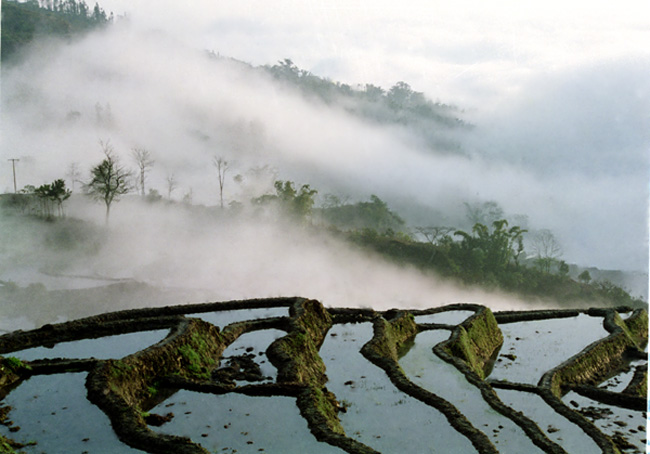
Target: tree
[222,167]
[49,194]
[43,194]
[59,194]
[483,213]
[486,251]
[546,249]
[584,277]
[142,158]
[108,180]
[373,93]
[399,95]
[171,185]
[188,197]
[296,203]
[563,268]
[434,235]
[73,173]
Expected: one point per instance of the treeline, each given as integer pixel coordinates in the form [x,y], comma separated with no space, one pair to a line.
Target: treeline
[494,258]
[45,201]
[495,252]
[398,105]
[23,22]
[490,255]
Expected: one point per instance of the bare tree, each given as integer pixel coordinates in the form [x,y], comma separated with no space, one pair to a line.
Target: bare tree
[108,180]
[188,197]
[484,212]
[546,249]
[73,173]
[433,234]
[171,185]
[142,157]
[222,167]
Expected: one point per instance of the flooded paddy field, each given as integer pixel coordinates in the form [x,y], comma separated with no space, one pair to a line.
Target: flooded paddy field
[378,414]
[235,423]
[627,427]
[252,347]
[258,379]
[622,380]
[530,348]
[106,347]
[224,318]
[53,415]
[559,429]
[445,318]
[429,371]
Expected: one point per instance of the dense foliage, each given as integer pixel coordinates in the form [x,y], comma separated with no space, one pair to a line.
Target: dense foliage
[26,21]
[481,258]
[45,201]
[372,214]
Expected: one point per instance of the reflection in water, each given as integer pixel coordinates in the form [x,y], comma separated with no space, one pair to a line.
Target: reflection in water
[53,411]
[109,347]
[378,414]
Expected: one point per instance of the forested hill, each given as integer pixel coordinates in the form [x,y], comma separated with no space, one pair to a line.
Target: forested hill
[435,124]
[23,22]
[399,105]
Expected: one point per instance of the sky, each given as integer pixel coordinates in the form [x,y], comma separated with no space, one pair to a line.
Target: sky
[466,52]
[558,93]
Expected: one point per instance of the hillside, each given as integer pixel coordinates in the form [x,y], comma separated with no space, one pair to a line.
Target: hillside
[26,22]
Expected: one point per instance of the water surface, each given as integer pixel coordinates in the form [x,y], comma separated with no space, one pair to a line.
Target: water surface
[53,411]
[445,318]
[531,348]
[556,427]
[238,423]
[378,414]
[108,347]
[424,368]
[224,318]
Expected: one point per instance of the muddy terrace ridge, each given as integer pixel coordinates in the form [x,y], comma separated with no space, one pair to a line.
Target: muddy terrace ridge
[190,357]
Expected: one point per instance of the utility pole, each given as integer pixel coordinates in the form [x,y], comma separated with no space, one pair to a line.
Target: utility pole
[13,165]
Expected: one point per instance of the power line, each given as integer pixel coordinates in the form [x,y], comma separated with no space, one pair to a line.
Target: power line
[13,165]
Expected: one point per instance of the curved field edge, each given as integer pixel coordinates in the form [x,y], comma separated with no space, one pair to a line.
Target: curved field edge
[125,388]
[393,331]
[470,349]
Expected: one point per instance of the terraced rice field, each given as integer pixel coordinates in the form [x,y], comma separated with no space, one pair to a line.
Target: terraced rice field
[329,396]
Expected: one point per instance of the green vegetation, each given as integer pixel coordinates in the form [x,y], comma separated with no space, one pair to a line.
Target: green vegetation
[373,214]
[606,355]
[196,357]
[292,202]
[399,105]
[40,201]
[23,22]
[51,194]
[299,348]
[120,369]
[14,364]
[12,370]
[297,359]
[476,341]
[108,180]
[7,446]
[393,334]
[490,258]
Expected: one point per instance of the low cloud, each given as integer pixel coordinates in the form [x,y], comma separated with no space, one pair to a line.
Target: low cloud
[568,150]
